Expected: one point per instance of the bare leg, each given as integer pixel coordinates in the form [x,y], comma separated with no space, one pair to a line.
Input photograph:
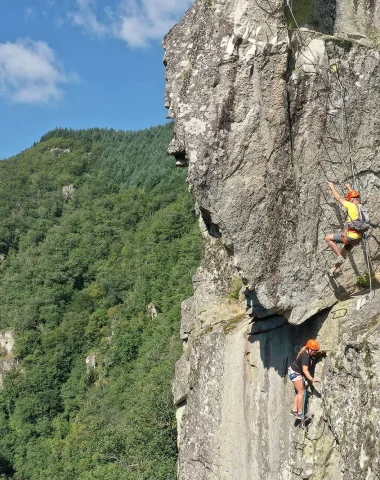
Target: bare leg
[295,406]
[299,385]
[334,247]
[343,253]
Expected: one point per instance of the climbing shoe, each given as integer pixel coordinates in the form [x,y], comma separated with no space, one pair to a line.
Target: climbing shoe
[332,271]
[293,413]
[299,416]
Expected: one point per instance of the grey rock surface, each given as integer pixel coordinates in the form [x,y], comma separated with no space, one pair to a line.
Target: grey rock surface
[91,362]
[351,392]
[234,398]
[7,341]
[265,116]
[68,191]
[354,19]
[359,19]
[7,365]
[188,318]
[181,386]
[8,362]
[264,121]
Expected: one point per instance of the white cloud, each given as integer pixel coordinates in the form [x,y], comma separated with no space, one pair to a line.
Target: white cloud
[29,12]
[86,17]
[30,73]
[135,21]
[149,19]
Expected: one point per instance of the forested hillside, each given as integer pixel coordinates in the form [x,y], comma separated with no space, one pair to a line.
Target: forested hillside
[79,270]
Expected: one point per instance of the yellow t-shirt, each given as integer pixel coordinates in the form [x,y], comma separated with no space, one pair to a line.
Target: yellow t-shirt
[353,214]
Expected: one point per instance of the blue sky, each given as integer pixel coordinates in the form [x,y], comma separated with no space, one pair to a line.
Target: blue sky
[80,64]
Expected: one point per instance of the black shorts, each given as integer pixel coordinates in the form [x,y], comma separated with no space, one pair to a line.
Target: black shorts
[338,238]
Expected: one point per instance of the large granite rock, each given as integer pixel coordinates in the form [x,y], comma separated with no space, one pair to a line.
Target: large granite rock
[265,116]
[359,19]
[234,395]
[7,341]
[351,393]
[263,124]
[8,362]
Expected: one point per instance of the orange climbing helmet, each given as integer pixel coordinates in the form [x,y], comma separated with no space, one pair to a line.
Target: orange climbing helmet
[313,344]
[352,194]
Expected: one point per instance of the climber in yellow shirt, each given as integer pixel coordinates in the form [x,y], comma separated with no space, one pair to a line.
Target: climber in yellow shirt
[349,237]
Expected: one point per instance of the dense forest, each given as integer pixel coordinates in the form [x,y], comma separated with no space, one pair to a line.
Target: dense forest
[95,227]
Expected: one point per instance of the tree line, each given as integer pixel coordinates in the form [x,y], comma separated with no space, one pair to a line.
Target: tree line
[78,276]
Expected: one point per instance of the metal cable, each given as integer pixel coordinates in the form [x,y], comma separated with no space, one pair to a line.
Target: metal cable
[344,113]
[345,124]
[369,263]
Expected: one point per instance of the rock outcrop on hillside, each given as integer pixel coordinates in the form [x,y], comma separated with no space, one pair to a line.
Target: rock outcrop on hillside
[8,362]
[265,115]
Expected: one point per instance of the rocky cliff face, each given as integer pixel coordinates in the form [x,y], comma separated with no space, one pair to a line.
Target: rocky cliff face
[265,114]
[7,360]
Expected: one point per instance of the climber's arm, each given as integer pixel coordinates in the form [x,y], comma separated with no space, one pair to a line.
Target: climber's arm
[321,353]
[336,195]
[308,375]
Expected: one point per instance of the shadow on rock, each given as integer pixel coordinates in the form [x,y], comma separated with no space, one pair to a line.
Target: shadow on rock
[279,342]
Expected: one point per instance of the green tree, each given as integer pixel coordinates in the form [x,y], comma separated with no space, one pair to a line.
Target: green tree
[78,276]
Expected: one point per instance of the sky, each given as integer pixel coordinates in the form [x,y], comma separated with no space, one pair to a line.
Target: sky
[81,64]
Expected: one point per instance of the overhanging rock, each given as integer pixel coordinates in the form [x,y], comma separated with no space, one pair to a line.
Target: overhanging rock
[265,118]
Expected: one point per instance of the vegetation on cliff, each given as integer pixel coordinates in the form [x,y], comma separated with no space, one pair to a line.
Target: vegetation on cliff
[80,270]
